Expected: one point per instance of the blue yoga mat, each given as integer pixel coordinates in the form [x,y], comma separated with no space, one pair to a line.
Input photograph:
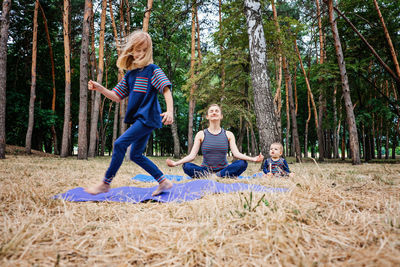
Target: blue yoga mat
[178,193]
[177,178]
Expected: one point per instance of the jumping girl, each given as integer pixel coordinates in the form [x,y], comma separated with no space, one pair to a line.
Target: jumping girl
[141,84]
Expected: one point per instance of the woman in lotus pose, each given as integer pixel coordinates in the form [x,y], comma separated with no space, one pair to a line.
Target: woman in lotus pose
[214,142]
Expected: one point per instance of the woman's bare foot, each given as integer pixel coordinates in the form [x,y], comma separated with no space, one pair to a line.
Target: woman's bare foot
[164,185]
[97,189]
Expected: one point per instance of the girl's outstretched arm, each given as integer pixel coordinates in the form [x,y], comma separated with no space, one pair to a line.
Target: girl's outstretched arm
[168,116]
[92,85]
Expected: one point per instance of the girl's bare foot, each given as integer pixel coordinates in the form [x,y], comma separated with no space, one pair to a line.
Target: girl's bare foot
[164,185]
[97,189]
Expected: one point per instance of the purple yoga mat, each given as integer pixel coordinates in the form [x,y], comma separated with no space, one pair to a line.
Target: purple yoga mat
[178,193]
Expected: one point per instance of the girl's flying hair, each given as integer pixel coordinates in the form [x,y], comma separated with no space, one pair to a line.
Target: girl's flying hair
[136,39]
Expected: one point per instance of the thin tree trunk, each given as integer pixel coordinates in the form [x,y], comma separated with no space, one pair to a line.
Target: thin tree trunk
[295,89]
[296,142]
[346,90]
[263,101]
[5,23]
[100,70]
[335,136]
[53,101]
[67,98]
[119,107]
[146,18]
[343,147]
[287,76]
[128,16]
[221,48]
[254,146]
[306,128]
[373,138]
[192,101]
[278,94]
[115,124]
[82,135]
[388,39]
[307,84]
[28,139]
[321,98]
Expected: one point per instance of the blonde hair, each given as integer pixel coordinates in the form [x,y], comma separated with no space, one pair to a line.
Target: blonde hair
[278,144]
[126,60]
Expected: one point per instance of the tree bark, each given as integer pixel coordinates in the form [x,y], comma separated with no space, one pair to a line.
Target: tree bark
[192,101]
[82,134]
[100,70]
[146,18]
[53,101]
[335,122]
[263,102]
[5,23]
[388,39]
[321,98]
[28,139]
[119,107]
[278,94]
[307,84]
[351,122]
[221,48]
[296,142]
[67,99]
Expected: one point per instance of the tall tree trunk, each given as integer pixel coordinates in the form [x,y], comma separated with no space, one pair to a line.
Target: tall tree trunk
[100,70]
[67,99]
[287,76]
[221,48]
[254,146]
[394,144]
[278,94]
[373,138]
[263,102]
[146,18]
[388,39]
[53,101]
[115,124]
[306,128]
[5,23]
[343,146]
[296,142]
[321,98]
[28,139]
[307,84]
[351,122]
[192,101]
[82,135]
[335,122]
[119,107]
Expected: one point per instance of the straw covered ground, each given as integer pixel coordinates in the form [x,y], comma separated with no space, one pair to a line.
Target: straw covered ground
[333,215]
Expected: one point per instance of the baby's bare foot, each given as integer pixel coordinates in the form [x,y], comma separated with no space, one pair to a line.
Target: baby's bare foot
[97,189]
[164,185]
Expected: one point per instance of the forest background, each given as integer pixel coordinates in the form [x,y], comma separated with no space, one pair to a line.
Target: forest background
[203,47]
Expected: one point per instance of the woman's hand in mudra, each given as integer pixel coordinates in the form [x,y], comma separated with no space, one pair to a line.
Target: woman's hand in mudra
[171,163]
[259,158]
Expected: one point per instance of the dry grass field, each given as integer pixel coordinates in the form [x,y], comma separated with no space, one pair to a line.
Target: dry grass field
[333,215]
